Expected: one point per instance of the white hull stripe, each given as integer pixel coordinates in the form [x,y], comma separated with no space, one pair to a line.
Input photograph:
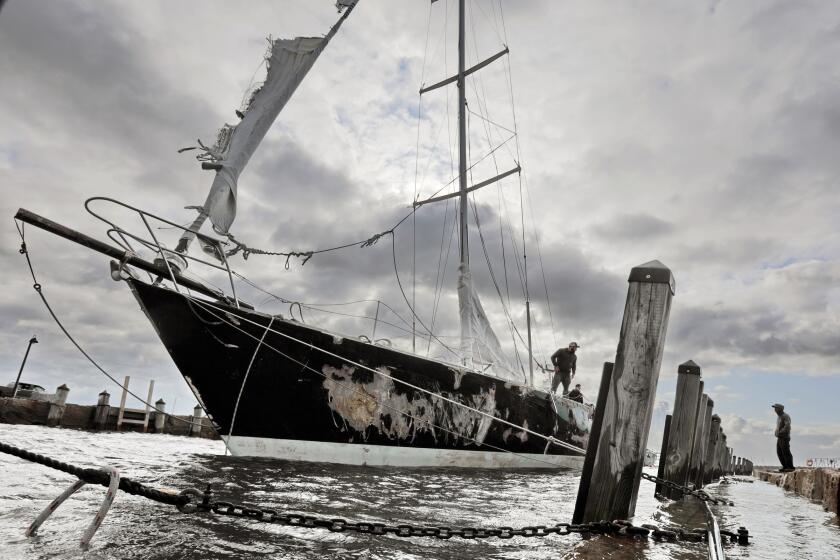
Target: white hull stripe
[393,456]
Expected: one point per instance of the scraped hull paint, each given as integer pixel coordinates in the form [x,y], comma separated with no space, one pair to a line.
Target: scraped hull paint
[306,386]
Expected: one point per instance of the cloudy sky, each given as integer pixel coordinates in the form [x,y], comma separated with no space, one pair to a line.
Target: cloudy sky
[702,134]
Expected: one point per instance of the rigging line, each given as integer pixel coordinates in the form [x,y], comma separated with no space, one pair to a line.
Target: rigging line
[369,318]
[306,255]
[312,346]
[38,288]
[478,84]
[448,111]
[509,72]
[315,306]
[437,272]
[416,169]
[480,93]
[490,266]
[414,228]
[390,407]
[439,291]
[402,291]
[493,22]
[357,316]
[496,285]
[245,379]
[486,119]
[455,178]
[542,265]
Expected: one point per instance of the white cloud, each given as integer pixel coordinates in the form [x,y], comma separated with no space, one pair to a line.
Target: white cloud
[700,137]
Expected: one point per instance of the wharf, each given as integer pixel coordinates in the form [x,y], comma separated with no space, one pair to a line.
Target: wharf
[817,484]
[49,410]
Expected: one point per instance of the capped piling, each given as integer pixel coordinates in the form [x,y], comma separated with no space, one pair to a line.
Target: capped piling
[711,448]
[697,447]
[620,451]
[681,436]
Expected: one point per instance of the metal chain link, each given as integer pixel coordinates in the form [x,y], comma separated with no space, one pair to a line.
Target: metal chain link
[699,494]
[443,532]
[193,501]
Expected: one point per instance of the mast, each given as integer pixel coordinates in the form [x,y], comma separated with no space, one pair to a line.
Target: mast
[462,144]
[462,175]
[470,309]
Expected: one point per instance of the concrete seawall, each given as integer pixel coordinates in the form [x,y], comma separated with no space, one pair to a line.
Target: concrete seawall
[817,484]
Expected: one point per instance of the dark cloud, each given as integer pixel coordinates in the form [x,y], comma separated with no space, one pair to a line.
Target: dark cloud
[632,227]
[707,141]
[760,333]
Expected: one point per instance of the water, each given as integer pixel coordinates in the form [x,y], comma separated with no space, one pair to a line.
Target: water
[783,526]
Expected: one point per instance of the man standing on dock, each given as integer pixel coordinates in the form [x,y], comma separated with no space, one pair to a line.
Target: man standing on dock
[565,364]
[783,438]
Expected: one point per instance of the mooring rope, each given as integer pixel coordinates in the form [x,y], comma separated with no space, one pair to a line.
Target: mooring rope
[245,380]
[39,289]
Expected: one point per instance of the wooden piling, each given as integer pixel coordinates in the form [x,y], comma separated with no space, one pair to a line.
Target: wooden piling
[659,490]
[103,410]
[160,416]
[714,433]
[57,405]
[620,451]
[594,437]
[148,405]
[721,453]
[699,438]
[704,441]
[122,402]
[195,425]
[681,436]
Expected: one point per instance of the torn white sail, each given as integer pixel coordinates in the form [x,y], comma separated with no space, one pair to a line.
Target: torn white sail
[480,346]
[288,62]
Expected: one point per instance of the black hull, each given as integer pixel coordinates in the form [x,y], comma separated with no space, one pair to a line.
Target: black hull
[302,387]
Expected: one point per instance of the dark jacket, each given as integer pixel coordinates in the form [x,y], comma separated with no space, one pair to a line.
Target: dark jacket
[783,426]
[564,360]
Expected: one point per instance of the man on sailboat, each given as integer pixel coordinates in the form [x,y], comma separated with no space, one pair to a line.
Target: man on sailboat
[565,365]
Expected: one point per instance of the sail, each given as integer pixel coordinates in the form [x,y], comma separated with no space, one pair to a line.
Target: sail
[288,62]
[480,346]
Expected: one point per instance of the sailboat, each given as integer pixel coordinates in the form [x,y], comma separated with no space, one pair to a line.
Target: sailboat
[277,387]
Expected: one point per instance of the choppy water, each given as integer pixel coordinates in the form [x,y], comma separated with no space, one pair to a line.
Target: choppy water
[783,526]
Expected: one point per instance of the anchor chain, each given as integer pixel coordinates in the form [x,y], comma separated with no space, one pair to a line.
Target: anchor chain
[699,494]
[443,532]
[97,476]
[193,501]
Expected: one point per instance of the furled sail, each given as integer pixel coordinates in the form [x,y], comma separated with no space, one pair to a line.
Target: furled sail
[480,346]
[288,62]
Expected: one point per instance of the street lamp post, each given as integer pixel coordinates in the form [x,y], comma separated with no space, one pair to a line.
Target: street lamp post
[32,341]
